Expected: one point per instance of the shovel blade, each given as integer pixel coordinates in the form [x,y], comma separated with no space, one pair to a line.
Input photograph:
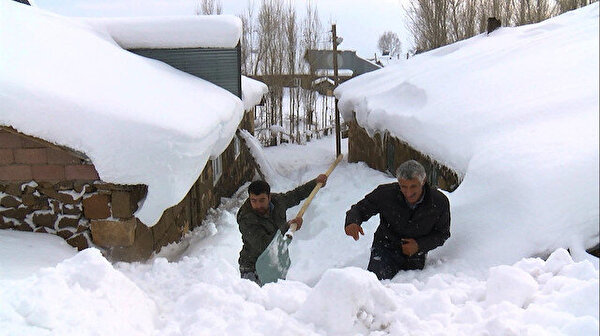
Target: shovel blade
[274,262]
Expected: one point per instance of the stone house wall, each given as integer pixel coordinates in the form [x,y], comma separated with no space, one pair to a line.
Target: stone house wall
[385,153]
[51,204]
[51,189]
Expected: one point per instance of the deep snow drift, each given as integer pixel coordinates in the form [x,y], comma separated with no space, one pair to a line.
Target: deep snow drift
[516,113]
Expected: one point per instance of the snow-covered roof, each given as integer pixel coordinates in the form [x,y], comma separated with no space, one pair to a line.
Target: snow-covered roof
[252,92]
[200,31]
[516,112]
[139,120]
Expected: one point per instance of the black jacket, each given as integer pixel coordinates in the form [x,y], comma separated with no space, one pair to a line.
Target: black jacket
[258,231]
[428,223]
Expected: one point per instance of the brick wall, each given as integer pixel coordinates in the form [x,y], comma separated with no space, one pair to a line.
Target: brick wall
[25,158]
[385,153]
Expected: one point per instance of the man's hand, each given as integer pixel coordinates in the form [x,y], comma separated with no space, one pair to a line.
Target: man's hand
[322,179]
[298,221]
[352,230]
[409,246]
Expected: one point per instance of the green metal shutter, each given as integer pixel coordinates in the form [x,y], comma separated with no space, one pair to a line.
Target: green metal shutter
[219,66]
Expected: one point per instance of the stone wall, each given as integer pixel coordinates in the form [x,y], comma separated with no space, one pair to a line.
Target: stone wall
[385,153]
[51,189]
[192,210]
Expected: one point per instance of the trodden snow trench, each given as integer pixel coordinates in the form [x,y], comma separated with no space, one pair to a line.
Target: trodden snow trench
[197,290]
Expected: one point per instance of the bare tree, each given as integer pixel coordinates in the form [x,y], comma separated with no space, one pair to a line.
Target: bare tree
[209,7]
[462,19]
[248,43]
[532,11]
[311,35]
[291,34]
[271,45]
[434,23]
[567,5]
[389,43]
[428,23]
[274,43]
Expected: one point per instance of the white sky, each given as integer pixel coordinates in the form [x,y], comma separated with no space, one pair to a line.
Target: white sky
[359,22]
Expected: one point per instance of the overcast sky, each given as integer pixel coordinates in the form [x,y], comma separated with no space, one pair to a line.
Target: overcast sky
[359,22]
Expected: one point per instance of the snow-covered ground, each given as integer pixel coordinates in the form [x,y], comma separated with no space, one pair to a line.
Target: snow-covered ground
[193,288]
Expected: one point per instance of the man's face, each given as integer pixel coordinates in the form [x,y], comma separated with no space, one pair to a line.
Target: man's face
[411,189]
[260,203]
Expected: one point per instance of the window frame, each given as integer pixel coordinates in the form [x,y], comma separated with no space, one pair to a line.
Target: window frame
[217,167]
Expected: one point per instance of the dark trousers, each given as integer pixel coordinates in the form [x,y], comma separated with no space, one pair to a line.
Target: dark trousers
[386,262]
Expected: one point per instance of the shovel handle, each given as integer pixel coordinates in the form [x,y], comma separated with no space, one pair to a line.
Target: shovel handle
[293,226]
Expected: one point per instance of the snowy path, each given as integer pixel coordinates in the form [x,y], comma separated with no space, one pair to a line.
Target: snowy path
[199,291]
[193,288]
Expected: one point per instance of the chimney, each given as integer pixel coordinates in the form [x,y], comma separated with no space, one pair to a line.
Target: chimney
[493,24]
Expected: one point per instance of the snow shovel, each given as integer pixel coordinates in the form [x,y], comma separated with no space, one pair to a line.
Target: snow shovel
[274,262]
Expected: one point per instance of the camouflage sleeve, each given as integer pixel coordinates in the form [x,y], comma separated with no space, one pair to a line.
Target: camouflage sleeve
[294,197]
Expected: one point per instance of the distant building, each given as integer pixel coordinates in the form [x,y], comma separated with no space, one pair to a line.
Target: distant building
[346,60]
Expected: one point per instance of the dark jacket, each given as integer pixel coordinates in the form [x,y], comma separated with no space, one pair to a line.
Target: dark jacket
[428,223]
[258,231]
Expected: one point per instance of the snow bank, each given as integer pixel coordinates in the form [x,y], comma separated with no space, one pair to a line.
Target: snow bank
[202,294]
[139,120]
[516,113]
[520,299]
[200,31]
[346,301]
[23,253]
[83,295]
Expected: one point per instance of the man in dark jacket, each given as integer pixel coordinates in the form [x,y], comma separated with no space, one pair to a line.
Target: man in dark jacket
[262,215]
[414,219]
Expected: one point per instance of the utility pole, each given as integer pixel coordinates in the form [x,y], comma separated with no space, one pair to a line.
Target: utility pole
[338,135]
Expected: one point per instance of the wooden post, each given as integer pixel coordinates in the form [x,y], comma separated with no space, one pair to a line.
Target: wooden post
[338,135]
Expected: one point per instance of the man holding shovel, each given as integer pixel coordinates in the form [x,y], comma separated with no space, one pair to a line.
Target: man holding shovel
[414,219]
[262,215]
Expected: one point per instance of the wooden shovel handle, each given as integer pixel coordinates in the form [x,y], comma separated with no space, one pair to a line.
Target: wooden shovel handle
[293,226]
